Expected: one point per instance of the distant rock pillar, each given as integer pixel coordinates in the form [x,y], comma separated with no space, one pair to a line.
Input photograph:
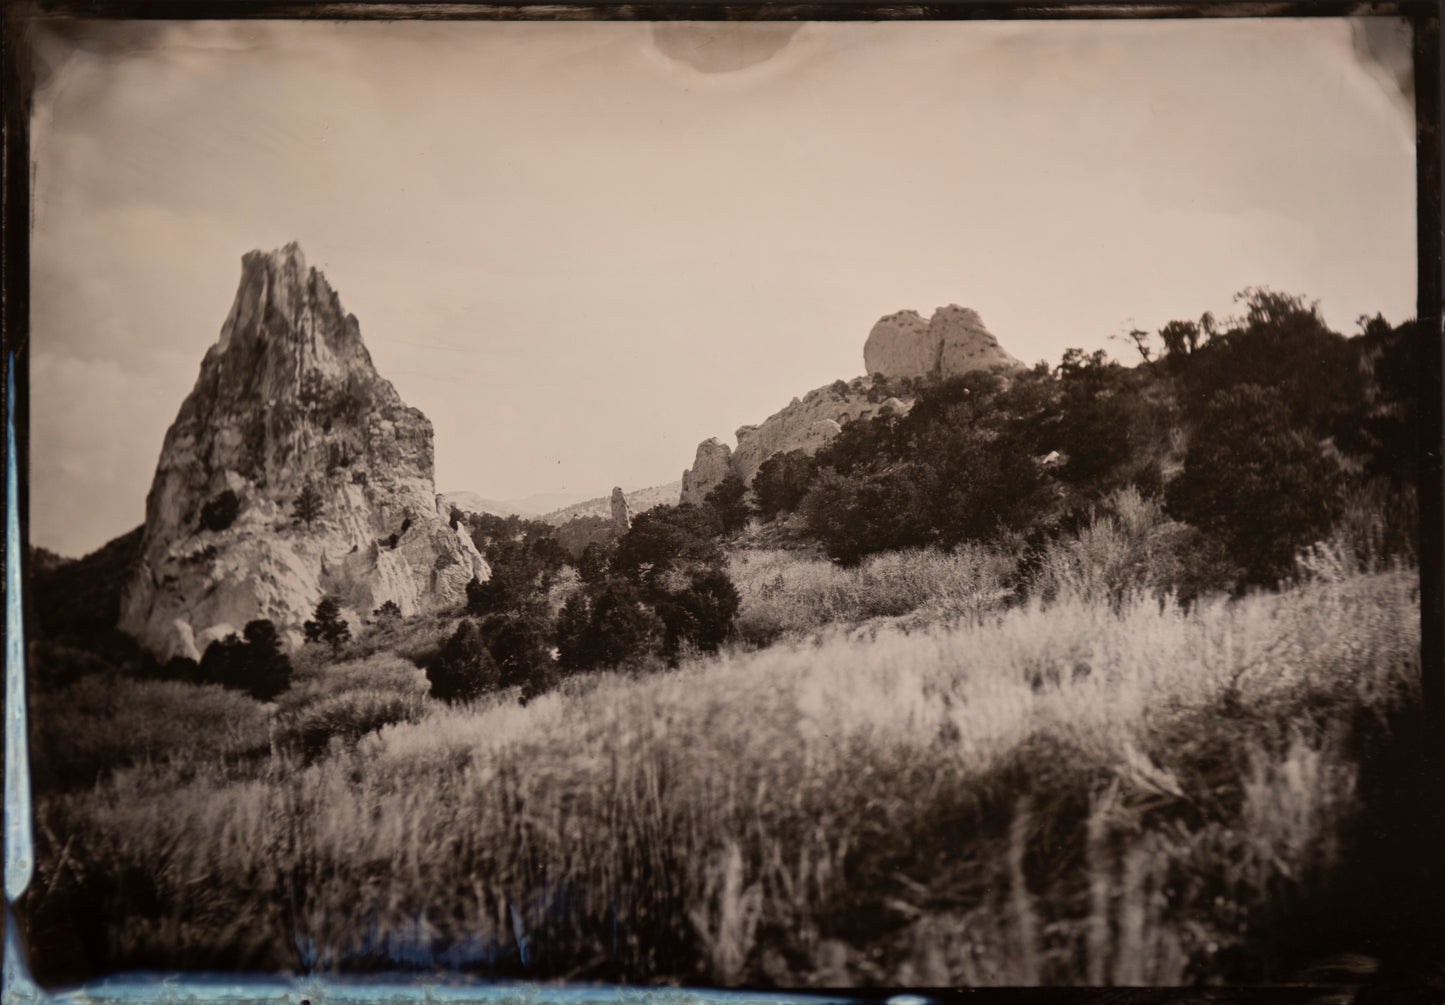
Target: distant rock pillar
[621,515]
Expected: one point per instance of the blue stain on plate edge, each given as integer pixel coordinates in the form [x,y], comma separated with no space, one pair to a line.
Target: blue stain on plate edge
[225,988]
[19,857]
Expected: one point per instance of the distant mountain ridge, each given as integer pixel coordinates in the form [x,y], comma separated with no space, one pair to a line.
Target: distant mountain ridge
[532,506]
[637,501]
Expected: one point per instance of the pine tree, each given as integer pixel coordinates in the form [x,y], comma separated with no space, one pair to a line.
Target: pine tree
[329,626]
[307,504]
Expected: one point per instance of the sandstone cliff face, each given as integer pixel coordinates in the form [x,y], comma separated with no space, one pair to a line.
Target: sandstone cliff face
[288,398]
[902,345]
[952,342]
[711,465]
[805,424]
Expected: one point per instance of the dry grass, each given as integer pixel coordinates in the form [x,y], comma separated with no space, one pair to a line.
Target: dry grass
[788,594]
[1069,793]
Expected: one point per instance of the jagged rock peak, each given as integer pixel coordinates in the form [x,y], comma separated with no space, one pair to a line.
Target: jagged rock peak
[288,403]
[952,342]
[286,331]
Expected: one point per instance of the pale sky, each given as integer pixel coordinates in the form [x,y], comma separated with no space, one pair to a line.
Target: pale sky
[582,248]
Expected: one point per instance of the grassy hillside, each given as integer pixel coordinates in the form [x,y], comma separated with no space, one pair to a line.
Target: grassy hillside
[1059,793]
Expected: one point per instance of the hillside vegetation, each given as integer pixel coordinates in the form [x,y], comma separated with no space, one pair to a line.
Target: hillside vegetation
[1087,675]
[1061,793]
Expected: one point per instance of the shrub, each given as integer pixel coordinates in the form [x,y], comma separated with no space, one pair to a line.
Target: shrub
[701,614]
[489,597]
[782,481]
[346,717]
[728,501]
[254,664]
[853,516]
[220,511]
[1128,547]
[516,647]
[607,628]
[1261,486]
[465,669]
[668,537]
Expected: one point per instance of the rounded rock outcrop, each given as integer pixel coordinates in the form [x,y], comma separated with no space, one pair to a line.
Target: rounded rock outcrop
[951,343]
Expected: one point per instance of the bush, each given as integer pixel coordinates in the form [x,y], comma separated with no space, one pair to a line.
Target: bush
[607,628]
[489,597]
[465,669]
[346,717]
[727,500]
[853,516]
[254,664]
[701,615]
[1255,482]
[516,647]
[220,511]
[782,481]
[1129,547]
[668,537]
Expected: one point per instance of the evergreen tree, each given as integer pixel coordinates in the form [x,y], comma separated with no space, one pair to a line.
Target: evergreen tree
[328,626]
[268,669]
[728,501]
[464,670]
[307,505]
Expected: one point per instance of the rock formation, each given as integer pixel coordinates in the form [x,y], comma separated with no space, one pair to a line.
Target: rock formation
[902,345]
[952,342]
[638,501]
[711,465]
[621,515]
[288,405]
[805,424]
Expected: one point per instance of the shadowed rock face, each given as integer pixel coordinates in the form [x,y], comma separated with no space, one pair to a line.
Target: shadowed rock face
[288,398]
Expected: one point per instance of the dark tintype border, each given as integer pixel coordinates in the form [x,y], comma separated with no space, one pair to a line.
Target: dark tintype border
[1405,985]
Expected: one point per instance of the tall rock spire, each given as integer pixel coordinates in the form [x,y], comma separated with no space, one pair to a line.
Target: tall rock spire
[288,403]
